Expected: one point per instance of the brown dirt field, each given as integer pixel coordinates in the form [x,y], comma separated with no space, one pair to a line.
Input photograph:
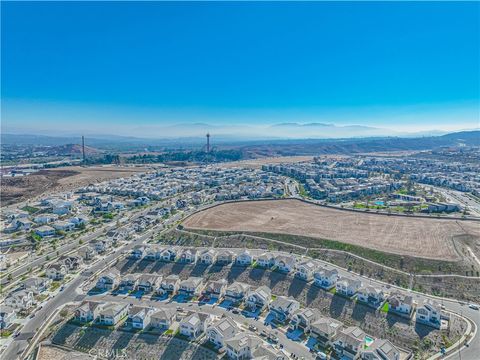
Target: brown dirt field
[257,163]
[428,238]
[18,189]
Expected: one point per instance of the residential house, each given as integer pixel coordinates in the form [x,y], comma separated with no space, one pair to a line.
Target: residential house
[194,324]
[285,263]
[128,282]
[381,349]
[259,298]
[347,287]
[148,282]
[236,292]
[44,231]
[168,254]
[225,257]
[45,219]
[188,256]
[304,318]
[325,278]
[108,280]
[371,295]
[88,311]
[22,300]
[63,226]
[87,253]
[324,330]
[102,245]
[163,319]
[430,313]
[169,285]
[139,317]
[242,346]
[244,258]
[111,313]
[400,304]
[152,253]
[282,308]
[305,270]
[191,286]
[266,260]
[208,257]
[71,262]
[137,252]
[36,285]
[7,316]
[349,342]
[78,221]
[57,271]
[62,207]
[23,224]
[215,289]
[221,331]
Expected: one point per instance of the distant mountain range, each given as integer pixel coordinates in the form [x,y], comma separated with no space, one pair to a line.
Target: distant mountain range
[194,133]
[107,142]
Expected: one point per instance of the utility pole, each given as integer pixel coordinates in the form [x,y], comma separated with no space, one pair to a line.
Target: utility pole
[83,149]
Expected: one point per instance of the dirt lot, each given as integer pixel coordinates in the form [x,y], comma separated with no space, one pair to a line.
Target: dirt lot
[423,340]
[257,163]
[18,189]
[128,345]
[428,238]
[461,288]
[51,352]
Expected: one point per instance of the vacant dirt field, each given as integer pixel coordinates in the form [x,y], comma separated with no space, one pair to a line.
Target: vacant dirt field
[429,238]
[257,163]
[18,189]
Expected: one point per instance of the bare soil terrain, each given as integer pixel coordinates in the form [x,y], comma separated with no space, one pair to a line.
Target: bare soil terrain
[423,340]
[406,271]
[22,188]
[257,163]
[419,237]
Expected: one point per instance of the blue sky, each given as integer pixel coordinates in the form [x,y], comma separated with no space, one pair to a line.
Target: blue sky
[112,66]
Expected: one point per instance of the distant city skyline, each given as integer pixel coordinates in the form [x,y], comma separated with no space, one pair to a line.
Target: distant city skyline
[144,69]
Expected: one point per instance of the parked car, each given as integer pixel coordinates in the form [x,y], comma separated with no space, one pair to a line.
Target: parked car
[321,356]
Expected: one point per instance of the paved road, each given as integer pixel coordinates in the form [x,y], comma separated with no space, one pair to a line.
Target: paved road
[70,294]
[19,344]
[72,245]
[289,345]
[459,197]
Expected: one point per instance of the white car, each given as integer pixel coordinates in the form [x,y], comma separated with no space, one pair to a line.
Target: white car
[474,307]
[321,356]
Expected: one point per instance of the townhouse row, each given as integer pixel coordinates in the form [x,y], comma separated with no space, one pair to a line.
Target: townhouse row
[221,332]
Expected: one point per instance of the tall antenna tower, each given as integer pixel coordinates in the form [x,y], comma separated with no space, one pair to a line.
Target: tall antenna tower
[83,148]
[208,142]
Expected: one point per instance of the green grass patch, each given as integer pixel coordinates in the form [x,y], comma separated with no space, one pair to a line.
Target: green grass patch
[30,209]
[55,285]
[385,307]
[5,333]
[333,290]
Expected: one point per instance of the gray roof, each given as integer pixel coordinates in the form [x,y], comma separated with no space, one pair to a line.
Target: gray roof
[243,340]
[226,327]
